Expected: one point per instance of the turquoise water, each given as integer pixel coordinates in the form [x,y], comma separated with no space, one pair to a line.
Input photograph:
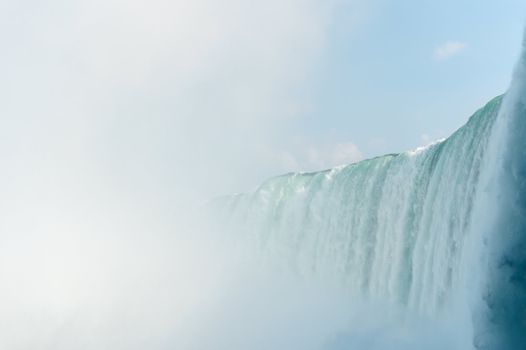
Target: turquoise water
[425,230]
[392,227]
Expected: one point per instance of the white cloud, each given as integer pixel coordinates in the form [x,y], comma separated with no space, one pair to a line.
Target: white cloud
[309,156]
[345,153]
[425,139]
[117,117]
[449,49]
[152,87]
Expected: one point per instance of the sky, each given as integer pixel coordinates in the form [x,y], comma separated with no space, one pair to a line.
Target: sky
[117,116]
[240,90]
[410,72]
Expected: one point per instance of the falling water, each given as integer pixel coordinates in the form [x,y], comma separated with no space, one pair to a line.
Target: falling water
[423,230]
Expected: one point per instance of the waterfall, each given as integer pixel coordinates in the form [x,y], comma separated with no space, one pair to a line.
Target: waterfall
[392,227]
[501,316]
[421,229]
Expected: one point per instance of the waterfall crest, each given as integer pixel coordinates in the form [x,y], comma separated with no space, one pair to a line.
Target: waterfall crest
[421,229]
[392,227]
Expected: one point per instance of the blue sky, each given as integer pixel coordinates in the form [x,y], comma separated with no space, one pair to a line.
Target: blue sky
[382,86]
[117,117]
[142,90]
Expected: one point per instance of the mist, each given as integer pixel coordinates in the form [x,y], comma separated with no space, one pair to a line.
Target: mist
[118,121]
[122,121]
